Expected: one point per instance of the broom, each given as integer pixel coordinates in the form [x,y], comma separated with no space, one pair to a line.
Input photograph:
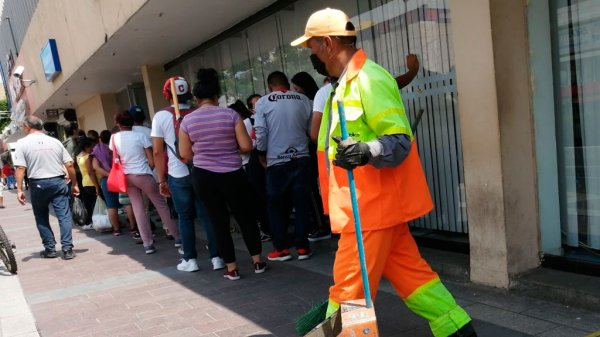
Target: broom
[311,318]
[316,315]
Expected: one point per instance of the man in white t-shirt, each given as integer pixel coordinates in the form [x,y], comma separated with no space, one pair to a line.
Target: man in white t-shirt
[45,159]
[175,180]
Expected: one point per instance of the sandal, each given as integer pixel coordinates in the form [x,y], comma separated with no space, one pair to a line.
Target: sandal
[117,233]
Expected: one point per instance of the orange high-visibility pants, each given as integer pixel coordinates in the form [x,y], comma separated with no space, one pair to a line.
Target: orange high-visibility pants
[393,253]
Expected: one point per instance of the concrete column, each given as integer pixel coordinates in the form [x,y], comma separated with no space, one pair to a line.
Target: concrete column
[497,135]
[97,113]
[110,107]
[154,79]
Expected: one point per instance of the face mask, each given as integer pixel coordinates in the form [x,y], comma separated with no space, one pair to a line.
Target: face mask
[318,65]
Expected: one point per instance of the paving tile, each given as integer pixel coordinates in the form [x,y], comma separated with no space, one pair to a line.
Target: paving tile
[563,331]
[186,332]
[27,334]
[244,330]
[571,317]
[498,298]
[509,319]
[113,289]
[17,324]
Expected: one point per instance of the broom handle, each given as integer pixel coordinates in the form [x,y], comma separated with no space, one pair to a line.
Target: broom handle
[175,98]
[357,227]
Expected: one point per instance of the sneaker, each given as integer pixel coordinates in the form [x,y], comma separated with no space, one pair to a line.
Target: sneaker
[189,265]
[138,238]
[87,227]
[177,243]
[48,254]
[170,237]
[304,254]
[279,255]
[318,236]
[264,237]
[232,275]
[180,250]
[150,249]
[68,254]
[260,267]
[217,263]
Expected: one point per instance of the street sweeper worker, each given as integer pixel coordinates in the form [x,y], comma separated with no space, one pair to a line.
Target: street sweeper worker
[390,182]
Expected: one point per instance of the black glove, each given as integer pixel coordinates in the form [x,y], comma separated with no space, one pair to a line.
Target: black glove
[351,153]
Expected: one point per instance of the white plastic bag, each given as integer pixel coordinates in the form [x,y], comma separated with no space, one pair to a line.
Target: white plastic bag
[100,220]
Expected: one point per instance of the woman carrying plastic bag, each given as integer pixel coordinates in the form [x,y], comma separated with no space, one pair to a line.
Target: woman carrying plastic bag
[100,220]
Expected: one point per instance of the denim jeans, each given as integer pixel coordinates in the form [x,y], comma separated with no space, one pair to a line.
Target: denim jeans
[189,207]
[55,191]
[284,181]
[11,182]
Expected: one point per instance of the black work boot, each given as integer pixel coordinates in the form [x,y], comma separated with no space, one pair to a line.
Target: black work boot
[68,254]
[466,331]
[48,253]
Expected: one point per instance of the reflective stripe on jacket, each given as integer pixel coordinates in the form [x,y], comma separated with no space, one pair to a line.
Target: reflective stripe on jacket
[373,106]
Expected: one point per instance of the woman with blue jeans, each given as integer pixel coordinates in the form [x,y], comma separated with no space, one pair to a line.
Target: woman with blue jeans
[174,177]
[188,208]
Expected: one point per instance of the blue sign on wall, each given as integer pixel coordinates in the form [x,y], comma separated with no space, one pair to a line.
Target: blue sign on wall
[50,60]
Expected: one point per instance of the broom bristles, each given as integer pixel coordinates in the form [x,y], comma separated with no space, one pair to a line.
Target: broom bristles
[311,318]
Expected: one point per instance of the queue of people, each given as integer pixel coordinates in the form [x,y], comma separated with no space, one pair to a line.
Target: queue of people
[261,163]
[257,161]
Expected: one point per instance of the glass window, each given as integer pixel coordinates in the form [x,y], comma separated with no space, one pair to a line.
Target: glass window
[576,64]
[388,31]
[265,51]
[292,21]
[242,67]
[391,29]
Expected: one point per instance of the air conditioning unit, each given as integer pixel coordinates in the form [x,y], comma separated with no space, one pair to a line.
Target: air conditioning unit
[70,115]
[51,115]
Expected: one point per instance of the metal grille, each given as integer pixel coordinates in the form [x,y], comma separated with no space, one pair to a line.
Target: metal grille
[389,31]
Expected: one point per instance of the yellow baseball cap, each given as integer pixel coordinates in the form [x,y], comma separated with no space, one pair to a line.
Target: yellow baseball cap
[326,22]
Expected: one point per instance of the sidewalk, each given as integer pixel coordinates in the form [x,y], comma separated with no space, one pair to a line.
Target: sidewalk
[112,288]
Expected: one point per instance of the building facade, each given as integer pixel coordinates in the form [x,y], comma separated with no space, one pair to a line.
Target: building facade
[508,89]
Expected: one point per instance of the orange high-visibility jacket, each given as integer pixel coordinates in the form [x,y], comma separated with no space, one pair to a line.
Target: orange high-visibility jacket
[373,106]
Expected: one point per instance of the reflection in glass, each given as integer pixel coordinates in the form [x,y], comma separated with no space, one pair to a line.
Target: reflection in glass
[388,31]
[576,63]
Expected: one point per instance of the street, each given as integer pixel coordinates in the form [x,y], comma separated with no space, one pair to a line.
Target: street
[112,288]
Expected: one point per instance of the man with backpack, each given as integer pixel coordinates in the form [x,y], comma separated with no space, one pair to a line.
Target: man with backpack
[174,175]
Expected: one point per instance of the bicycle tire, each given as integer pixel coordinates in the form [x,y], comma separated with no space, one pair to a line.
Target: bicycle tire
[6,253]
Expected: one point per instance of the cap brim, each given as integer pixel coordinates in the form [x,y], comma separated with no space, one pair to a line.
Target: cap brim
[301,41]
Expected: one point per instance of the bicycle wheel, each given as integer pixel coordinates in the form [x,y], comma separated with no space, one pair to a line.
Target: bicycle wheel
[6,253]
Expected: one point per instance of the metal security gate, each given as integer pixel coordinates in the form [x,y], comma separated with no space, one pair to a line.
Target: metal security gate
[389,31]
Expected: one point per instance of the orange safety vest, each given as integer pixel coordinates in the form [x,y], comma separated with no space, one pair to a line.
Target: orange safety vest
[387,196]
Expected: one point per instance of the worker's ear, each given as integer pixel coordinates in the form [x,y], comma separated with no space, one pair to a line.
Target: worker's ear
[328,42]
